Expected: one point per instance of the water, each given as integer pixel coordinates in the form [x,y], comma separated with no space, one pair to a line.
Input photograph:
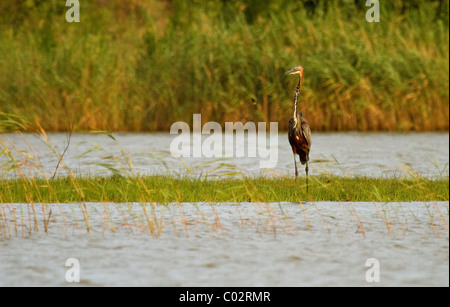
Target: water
[286,244]
[368,154]
[248,244]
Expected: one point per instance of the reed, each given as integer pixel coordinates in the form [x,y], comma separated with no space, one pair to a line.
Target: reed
[143,65]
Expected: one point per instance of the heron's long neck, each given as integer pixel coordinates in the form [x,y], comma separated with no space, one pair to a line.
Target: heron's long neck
[297,92]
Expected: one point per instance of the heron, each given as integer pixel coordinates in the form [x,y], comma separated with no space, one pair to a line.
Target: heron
[299,130]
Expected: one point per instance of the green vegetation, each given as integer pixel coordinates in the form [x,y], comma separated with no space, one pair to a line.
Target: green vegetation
[142,65]
[164,189]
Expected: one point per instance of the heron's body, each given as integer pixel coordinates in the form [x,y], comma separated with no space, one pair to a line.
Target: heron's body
[299,130]
[300,138]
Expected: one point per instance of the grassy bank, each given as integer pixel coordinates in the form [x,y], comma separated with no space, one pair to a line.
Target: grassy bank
[165,190]
[143,65]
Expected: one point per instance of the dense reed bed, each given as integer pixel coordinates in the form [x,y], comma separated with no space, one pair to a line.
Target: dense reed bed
[142,65]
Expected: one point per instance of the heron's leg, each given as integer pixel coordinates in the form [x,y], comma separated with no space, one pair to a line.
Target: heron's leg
[296,170]
[306,170]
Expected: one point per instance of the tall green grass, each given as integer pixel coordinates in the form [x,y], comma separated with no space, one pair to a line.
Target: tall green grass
[142,65]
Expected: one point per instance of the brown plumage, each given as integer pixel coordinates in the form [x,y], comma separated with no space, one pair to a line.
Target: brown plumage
[299,130]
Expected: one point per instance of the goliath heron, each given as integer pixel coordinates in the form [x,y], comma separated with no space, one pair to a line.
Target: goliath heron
[299,130]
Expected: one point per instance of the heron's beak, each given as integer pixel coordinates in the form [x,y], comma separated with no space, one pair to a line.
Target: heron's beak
[292,72]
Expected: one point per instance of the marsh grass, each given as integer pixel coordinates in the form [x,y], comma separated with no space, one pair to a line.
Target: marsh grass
[144,65]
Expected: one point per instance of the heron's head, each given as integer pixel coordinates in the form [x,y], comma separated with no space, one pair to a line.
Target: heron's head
[296,70]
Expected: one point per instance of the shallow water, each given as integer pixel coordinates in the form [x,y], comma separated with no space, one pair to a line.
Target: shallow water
[368,154]
[247,244]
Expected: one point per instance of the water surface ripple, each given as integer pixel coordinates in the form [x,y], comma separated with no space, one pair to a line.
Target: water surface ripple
[247,244]
[367,154]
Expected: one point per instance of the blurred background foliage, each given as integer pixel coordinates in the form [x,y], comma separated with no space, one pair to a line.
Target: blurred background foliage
[136,65]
